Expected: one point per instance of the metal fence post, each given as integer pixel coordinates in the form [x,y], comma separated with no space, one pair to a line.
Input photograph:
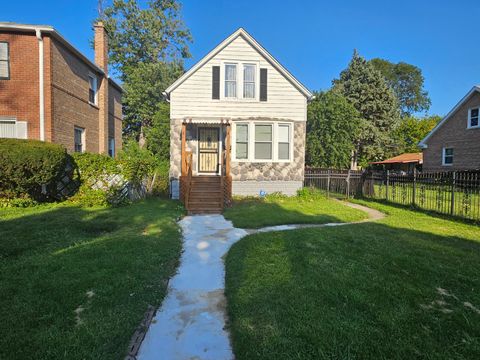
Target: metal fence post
[414,190]
[452,201]
[328,183]
[348,183]
[386,189]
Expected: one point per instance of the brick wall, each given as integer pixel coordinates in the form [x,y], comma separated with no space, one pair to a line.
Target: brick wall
[115,116]
[454,134]
[19,95]
[71,108]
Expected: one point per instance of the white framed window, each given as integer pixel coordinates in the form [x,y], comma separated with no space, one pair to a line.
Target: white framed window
[111,146]
[230,80]
[249,78]
[262,141]
[92,89]
[447,156]
[13,129]
[79,139]
[4,60]
[473,115]
[241,141]
[283,142]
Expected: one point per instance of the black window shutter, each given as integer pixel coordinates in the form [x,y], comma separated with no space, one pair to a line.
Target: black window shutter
[215,82]
[263,84]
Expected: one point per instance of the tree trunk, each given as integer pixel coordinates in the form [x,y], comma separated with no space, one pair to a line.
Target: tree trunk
[141,137]
[354,162]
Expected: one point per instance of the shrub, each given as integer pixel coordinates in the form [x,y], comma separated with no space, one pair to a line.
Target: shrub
[31,168]
[137,163]
[161,180]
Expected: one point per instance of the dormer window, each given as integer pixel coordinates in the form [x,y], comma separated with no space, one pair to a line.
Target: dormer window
[473,118]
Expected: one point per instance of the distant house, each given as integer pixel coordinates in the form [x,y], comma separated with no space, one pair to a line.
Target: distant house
[407,162]
[50,91]
[454,144]
[238,121]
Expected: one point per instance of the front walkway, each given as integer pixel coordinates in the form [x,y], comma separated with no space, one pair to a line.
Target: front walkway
[191,322]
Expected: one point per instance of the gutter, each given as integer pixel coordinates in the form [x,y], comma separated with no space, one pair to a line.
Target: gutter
[41,77]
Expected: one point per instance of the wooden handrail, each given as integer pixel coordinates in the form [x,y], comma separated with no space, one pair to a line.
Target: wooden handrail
[188,177]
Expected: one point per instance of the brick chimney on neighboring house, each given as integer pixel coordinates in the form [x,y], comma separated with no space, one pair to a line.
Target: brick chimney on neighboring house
[101,60]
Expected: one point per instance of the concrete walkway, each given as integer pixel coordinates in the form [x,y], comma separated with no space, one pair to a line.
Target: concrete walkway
[191,322]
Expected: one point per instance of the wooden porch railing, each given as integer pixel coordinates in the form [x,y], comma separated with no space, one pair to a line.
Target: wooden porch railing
[186,178]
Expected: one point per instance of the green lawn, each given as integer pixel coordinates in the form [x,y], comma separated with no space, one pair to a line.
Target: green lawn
[75,283]
[405,287]
[312,208]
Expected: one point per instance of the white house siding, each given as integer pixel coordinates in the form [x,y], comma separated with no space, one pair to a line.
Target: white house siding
[193,98]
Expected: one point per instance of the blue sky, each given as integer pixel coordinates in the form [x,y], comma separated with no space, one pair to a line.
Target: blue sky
[314,39]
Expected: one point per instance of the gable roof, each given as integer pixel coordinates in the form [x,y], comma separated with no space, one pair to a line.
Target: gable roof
[422,143]
[26,28]
[241,32]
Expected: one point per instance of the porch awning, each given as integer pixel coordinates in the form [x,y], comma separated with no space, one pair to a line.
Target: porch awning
[206,121]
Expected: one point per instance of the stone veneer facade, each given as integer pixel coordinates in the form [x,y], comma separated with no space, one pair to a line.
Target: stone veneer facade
[249,178]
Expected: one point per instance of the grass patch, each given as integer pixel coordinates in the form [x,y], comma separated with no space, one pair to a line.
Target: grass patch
[76,282]
[309,207]
[405,287]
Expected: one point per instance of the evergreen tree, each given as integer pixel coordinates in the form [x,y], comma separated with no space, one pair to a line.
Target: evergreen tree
[366,89]
[331,128]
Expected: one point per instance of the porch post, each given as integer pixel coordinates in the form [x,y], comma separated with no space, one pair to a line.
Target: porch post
[184,140]
[227,150]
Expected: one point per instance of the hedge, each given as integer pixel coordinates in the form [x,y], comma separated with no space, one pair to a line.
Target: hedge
[31,168]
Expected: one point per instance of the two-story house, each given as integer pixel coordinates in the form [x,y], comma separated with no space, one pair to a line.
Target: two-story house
[454,144]
[50,91]
[238,121]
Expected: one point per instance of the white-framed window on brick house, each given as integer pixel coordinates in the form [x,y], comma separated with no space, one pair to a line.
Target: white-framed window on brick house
[92,89]
[230,80]
[447,156]
[4,60]
[79,139]
[473,118]
[111,146]
[13,129]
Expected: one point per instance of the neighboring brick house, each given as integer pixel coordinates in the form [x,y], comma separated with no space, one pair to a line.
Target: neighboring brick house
[50,91]
[454,144]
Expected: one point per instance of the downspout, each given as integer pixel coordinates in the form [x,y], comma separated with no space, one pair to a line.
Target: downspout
[38,32]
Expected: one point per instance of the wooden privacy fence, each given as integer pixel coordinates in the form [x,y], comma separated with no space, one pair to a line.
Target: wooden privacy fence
[455,193]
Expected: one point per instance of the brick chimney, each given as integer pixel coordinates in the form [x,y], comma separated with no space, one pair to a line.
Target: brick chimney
[101,60]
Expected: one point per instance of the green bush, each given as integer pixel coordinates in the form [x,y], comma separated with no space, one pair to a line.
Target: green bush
[31,168]
[161,182]
[23,201]
[136,163]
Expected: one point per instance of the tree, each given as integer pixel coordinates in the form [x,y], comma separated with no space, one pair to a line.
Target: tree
[331,128]
[407,82]
[143,97]
[366,89]
[146,49]
[412,130]
[158,135]
[150,35]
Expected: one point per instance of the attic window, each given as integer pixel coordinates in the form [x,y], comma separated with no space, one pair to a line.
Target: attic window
[473,118]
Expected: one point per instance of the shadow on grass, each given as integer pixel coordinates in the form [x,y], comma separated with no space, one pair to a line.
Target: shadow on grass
[76,282]
[368,290]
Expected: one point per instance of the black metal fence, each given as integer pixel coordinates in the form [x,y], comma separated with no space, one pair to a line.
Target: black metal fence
[455,193]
